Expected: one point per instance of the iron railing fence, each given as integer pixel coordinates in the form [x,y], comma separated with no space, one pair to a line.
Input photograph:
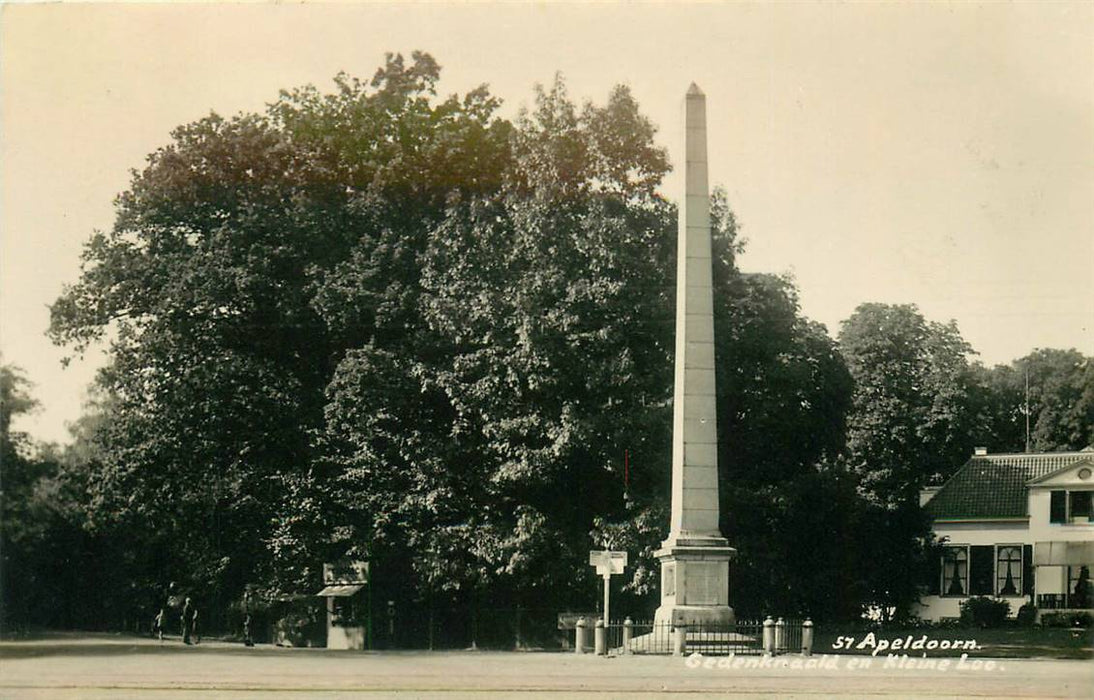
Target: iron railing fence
[648,637]
[1064,601]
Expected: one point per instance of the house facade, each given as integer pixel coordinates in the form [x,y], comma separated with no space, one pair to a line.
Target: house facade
[1015,527]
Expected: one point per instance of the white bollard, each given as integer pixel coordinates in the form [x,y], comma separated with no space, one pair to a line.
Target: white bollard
[680,641]
[600,641]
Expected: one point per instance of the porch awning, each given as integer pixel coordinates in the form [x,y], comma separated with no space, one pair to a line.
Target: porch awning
[338,591]
[1063,554]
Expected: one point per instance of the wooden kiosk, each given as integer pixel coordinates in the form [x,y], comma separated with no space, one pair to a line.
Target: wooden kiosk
[347,606]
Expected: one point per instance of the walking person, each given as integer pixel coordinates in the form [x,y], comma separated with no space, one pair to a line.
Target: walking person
[248,639]
[157,623]
[188,614]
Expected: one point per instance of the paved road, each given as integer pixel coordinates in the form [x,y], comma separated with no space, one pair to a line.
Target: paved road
[103,667]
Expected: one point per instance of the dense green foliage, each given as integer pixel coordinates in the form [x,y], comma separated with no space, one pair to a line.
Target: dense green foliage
[912,420]
[43,548]
[382,324]
[1060,402]
[982,611]
[20,524]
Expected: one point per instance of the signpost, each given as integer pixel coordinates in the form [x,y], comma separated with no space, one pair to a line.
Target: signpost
[607,563]
[345,573]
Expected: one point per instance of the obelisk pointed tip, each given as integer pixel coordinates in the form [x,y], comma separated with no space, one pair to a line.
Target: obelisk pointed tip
[694,91]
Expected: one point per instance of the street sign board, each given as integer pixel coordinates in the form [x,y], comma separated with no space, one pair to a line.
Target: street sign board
[608,562]
[345,573]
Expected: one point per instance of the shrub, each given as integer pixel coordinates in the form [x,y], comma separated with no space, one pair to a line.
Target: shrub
[984,612]
[1026,615]
[1067,620]
[947,623]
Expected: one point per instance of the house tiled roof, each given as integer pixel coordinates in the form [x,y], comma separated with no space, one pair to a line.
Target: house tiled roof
[994,486]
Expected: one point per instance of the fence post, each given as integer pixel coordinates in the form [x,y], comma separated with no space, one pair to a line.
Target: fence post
[601,639]
[807,637]
[780,635]
[579,636]
[769,636]
[628,633]
[680,641]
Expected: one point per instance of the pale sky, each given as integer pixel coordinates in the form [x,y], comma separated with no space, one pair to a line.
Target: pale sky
[940,154]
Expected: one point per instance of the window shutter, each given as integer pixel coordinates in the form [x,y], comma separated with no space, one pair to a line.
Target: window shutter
[1027,569]
[981,569]
[1057,510]
[934,573]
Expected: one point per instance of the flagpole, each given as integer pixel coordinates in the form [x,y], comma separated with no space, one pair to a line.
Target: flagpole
[1027,406]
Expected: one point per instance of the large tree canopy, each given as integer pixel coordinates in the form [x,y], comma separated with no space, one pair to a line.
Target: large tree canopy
[490,444]
[378,322]
[246,258]
[1059,402]
[912,423]
[912,420]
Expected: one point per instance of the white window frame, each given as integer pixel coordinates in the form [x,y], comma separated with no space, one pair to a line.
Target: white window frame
[1000,577]
[963,578]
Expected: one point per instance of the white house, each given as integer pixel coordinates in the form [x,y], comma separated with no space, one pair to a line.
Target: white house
[1017,527]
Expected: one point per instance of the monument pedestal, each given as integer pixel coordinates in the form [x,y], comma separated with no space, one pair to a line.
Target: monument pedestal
[695,582]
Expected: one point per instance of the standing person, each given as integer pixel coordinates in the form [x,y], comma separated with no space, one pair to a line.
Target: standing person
[187,618]
[157,623]
[248,640]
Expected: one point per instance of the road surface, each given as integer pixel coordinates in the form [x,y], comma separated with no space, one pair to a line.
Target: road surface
[98,667]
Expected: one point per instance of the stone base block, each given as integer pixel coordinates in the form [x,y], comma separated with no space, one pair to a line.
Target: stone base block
[695,582]
[695,615]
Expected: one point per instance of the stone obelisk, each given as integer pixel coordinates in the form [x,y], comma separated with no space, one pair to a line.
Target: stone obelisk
[695,557]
